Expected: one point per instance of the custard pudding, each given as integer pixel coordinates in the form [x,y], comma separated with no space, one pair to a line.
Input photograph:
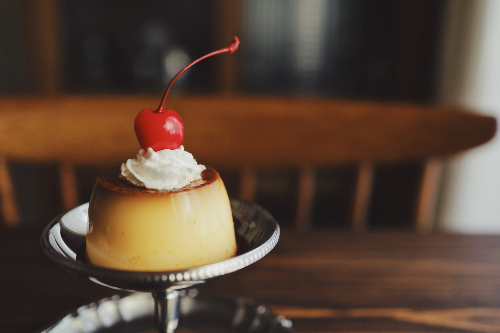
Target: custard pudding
[140,229]
[161,211]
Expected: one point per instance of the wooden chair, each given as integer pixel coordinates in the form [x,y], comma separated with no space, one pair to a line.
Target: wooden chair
[245,132]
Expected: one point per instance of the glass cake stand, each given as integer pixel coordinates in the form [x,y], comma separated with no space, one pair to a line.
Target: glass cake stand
[63,243]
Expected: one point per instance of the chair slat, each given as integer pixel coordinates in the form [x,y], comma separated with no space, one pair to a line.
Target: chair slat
[248,183]
[305,200]
[69,188]
[7,195]
[428,194]
[362,194]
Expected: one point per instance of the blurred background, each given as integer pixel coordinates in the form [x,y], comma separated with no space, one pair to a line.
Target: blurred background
[418,51]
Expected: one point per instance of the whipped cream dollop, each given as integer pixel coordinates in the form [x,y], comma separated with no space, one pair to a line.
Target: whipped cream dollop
[163,170]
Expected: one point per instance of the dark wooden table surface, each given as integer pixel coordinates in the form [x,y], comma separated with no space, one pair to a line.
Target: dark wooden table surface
[322,281]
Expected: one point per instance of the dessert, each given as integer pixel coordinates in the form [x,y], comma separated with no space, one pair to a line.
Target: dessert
[161,211]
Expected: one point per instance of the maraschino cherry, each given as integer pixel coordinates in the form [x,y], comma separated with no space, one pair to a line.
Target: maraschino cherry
[163,129]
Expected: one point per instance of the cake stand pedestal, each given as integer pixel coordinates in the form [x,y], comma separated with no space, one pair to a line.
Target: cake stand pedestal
[166,310]
[63,243]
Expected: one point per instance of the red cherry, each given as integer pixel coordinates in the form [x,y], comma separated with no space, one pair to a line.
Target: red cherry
[159,130]
[163,129]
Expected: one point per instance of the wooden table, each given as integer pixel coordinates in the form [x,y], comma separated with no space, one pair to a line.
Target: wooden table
[322,281]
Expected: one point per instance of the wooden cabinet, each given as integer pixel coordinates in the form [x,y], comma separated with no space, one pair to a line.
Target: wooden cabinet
[376,49]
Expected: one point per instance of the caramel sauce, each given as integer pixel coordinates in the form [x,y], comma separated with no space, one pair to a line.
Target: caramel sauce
[111,181]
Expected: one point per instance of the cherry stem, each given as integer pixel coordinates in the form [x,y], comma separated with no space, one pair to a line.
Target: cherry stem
[229,49]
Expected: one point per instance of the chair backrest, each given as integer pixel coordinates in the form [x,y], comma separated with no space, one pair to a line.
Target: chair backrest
[244,132]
